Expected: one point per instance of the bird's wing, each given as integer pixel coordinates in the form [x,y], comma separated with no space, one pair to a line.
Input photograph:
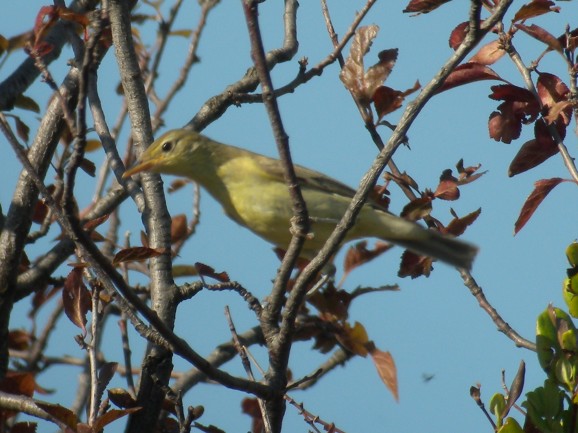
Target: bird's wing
[311,179]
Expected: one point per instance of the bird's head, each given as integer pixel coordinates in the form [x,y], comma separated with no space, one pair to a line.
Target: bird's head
[174,152]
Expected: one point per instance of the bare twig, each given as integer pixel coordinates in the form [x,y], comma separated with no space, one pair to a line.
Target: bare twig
[502,325]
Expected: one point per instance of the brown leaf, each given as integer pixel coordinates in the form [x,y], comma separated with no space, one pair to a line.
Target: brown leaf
[76,298]
[301,262]
[106,373]
[353,73]
[41,209]
[559,111]
[112,415]
[542,35]
[61,413]
[423,6]
[515,390]
[447,189]
[135,254]
[386,100]
[489,54]
[207,271]
[541,189]
[332,303]
[534,9]
[22,129]
[179,228]
[378,73]
[379,194]
[358,254]
[468,174]
[386,369]
[457,226]
[121,398]
[468,73]
[18,383]
[94,223]
[41,296]
[177,184]
[363,84]
[88,167]
[418,208]
[24,427]
[414,266]
[184,271]
[250,406]
[19,339]
[403,180]
[92,145]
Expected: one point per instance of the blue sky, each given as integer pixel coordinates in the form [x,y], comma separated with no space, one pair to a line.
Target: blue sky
[432,326]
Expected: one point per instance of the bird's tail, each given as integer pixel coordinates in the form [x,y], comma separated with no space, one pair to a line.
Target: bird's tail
[447,249]
[420,240]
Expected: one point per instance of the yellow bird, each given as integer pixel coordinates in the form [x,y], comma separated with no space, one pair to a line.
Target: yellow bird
[253,193]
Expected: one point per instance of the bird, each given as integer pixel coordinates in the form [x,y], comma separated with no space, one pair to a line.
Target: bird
[252,191]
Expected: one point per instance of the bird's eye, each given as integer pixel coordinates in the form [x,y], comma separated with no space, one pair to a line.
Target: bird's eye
[167,146]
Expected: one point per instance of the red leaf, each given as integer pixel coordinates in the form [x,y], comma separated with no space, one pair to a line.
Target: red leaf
[423,6]
[541,189]
[468,73]
[534,152]
[519,106]
[458,35]
[569,41]
[534,9]
[509,92]
[554,92]
[542,35]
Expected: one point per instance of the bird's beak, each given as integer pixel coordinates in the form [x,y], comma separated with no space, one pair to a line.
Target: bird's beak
[140,167]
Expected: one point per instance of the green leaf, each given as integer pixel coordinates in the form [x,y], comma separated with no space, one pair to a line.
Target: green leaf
[511,426]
